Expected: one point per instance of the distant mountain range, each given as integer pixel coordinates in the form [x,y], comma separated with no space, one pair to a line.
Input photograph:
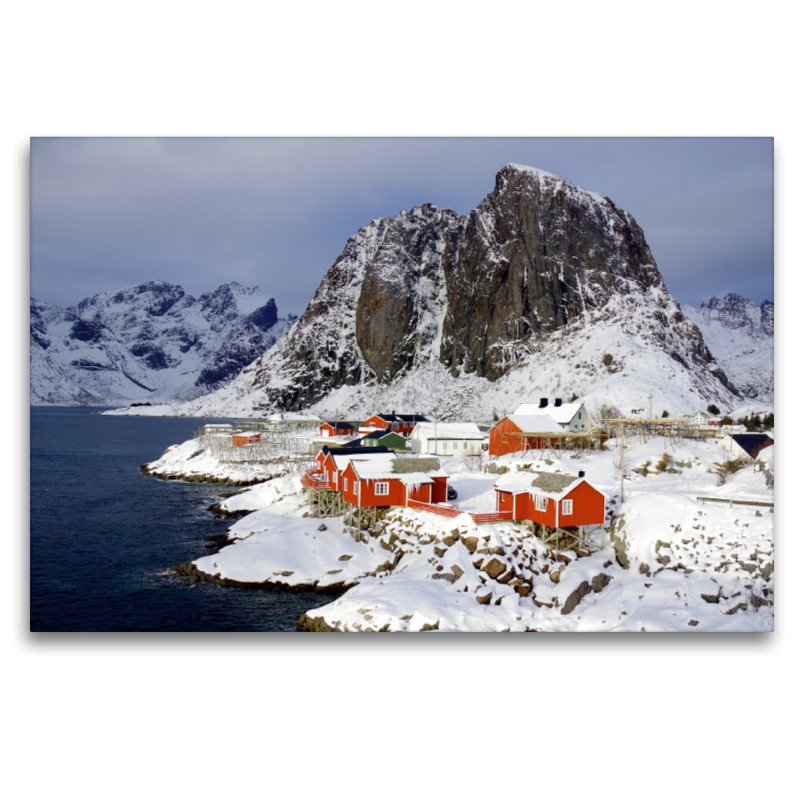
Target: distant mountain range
[741,335]
[545,289]
[149,343]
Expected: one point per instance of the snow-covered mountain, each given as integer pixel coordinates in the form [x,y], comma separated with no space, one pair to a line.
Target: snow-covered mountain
[544,289]
[741,336]
[150,343]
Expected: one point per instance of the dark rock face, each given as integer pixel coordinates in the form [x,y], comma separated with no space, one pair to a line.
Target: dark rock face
[400,285]
[477,294]
[265,317]
[524,262]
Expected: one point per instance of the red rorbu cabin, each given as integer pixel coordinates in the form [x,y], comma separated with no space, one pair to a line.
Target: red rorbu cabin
[333,461]
[367,482]
[246,437]
[505,438]
[336,429]
[553,499]
[401,423]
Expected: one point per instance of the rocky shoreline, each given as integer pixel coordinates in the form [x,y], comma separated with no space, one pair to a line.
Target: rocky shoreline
[193,477]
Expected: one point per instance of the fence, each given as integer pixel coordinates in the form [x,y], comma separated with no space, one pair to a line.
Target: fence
[446,511]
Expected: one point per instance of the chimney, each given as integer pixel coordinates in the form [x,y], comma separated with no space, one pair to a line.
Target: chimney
[581,473]
[558,402]
[542,402]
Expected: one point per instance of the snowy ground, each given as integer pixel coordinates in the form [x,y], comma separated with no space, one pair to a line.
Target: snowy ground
[192,461]
[667,561]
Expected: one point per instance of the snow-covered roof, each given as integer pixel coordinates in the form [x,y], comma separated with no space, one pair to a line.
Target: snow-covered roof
[363,455]
[554,484]
[449,430]
[216,425]
[411,471]
[247,433]
[562,414]
[536,423]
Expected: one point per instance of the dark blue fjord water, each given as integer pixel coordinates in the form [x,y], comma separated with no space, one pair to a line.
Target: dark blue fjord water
[103,535]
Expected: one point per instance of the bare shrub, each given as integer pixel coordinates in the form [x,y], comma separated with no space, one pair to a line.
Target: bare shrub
[663,463]
[722,469]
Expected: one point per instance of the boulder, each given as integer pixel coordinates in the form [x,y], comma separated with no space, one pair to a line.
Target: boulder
[599,582]
[494,568]
[484,599]
[471,543]
[575,597]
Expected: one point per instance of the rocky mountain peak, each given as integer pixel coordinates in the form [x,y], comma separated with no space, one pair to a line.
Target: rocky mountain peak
[539,268]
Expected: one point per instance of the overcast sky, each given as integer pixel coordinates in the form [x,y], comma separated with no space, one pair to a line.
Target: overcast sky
[276,213]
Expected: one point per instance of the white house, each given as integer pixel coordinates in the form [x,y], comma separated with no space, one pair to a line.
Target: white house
[446,438]
[572,417]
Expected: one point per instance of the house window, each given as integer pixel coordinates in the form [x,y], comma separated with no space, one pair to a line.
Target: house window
[465,445]
[345,484]
[541,502]
[382,487]
[395,426]
[355,487]
[566,507]
[444,445]
[372,425]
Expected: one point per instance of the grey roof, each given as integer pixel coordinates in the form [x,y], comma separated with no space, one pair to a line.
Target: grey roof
[401,466]
[554,482]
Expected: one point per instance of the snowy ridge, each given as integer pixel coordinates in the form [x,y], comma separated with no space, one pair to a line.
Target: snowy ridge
[741,336]
[151,343]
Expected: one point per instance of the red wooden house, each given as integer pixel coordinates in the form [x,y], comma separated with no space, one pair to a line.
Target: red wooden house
[502,438]
[333,461]
[367,483]
[245,437]
[401,423]
[553,499]
[336,429]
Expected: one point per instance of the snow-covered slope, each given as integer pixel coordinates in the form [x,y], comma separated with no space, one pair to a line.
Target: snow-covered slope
[741,336]
[151,342]
[545,289]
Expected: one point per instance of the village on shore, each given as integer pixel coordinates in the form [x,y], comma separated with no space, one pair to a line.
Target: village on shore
[553,518]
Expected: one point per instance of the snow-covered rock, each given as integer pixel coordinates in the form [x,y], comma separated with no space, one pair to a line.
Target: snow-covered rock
[741,337]
[150,343]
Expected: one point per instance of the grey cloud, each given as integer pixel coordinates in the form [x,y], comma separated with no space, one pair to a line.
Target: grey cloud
[107,213]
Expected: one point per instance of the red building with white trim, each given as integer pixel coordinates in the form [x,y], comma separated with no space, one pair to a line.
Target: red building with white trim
[245,437]
[370,483]
[401,423]
[553,499]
